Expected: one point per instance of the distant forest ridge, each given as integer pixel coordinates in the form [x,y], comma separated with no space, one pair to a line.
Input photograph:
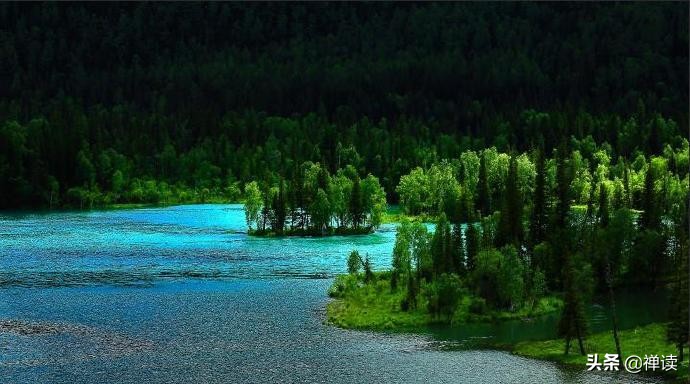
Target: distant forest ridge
[204,96]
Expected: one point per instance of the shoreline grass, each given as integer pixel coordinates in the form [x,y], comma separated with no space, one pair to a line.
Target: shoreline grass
[375,306]
[644,340]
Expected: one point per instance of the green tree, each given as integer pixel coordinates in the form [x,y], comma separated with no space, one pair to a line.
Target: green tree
[441,254]
[356,205]
[354,263]
[443,295]
[573,321]
[473,240]
[253,203]
[320,212]
[413,190]
[483,191]
[650,217]
[510,230]
[539,204]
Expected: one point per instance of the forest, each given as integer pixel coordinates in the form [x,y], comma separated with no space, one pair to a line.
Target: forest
[152,103]
[513,229]
[548,143]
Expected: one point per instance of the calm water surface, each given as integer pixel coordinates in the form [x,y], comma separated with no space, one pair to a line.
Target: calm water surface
[182,295]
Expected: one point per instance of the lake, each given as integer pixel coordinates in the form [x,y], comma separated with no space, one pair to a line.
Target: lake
[182,295]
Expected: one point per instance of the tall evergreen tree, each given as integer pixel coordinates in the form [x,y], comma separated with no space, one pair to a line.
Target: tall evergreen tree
[483,192]
[473,239]
[458,249]
[510,229]
[539,203]
[603,211]
[573,321]
[562,188]
[440,247]
[650,217]
[677,332]
[608,275]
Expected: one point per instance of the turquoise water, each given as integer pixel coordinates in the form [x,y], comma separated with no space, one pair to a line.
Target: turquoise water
[181,294]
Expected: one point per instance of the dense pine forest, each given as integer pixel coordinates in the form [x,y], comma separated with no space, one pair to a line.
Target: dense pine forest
[163,103]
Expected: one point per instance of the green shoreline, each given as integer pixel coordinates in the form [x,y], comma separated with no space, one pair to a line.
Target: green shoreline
[375,307]
[644,340]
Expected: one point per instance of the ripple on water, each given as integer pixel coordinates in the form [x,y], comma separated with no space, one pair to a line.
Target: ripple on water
[182,295]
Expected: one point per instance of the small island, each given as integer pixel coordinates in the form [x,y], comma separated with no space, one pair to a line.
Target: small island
[315,203]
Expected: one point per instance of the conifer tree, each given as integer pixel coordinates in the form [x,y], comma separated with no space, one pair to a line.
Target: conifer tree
[539,209]
[483,191]
[650,218]
[562,188]
[472,235]
[573,321]
[510,222]
[458,249]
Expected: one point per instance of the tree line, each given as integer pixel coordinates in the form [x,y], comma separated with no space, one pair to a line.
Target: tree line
[79,158]
[160,103]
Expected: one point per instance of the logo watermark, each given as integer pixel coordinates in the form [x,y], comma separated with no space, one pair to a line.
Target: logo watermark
[632,363]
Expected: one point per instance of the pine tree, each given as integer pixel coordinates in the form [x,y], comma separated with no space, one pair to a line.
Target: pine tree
[472,236]
[368,274]
[678,328]
[626,185]
[539,209]
[603,212]
[510,222]
[677,332]
[562,188]
[458,249]
[440,247]
[608,275]
[650,218]
[483,192]
[573,321]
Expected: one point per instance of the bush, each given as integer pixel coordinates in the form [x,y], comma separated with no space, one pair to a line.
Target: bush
[342,285]
[354,262]
[443,295]
[478,306]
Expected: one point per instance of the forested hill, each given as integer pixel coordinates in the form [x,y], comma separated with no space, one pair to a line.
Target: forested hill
[120,98]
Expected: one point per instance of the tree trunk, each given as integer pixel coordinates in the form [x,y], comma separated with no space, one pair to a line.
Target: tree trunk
[579,341]
[680,353]
[612,303]
[567,345]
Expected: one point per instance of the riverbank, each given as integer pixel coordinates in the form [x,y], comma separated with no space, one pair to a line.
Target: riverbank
[375,306]
[645,340]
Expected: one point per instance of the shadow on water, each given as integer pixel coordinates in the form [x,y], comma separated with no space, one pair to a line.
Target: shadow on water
[634,307]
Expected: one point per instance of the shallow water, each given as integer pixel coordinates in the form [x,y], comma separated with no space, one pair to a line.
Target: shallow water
[180,294]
